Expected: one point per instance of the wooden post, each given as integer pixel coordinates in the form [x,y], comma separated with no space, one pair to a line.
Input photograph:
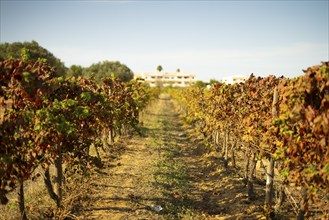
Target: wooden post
[224,144]
[217,138]
[246,168]
[59,168]
[269,183]
[270,169]
[232,152]
[227,137]
[250,185]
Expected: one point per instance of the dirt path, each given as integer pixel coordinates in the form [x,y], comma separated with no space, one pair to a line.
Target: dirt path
[146,173]
[168,167]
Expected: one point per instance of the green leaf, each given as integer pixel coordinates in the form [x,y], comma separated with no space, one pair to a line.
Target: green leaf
[60,79]
[86,96]
[6,159]
[284,174]
[38,127]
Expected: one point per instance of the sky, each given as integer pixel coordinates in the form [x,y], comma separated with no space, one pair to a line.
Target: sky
[213,39]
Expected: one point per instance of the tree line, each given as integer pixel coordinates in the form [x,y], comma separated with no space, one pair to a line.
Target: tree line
[97,70]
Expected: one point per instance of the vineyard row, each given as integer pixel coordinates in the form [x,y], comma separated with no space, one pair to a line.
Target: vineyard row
[46,119]
[284,121]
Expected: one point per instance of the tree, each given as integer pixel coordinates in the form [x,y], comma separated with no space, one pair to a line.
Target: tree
[107,68]
[200,84]
[178,70]
[34,50]
[75,70]
[159,68]
[213,81]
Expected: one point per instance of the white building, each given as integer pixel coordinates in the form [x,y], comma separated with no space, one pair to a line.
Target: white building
[234,79]
[176,79]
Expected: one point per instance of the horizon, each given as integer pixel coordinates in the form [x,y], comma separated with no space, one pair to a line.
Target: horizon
[213,39]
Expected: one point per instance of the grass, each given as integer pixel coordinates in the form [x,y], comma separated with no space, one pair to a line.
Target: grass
[171,175]
[39,205]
